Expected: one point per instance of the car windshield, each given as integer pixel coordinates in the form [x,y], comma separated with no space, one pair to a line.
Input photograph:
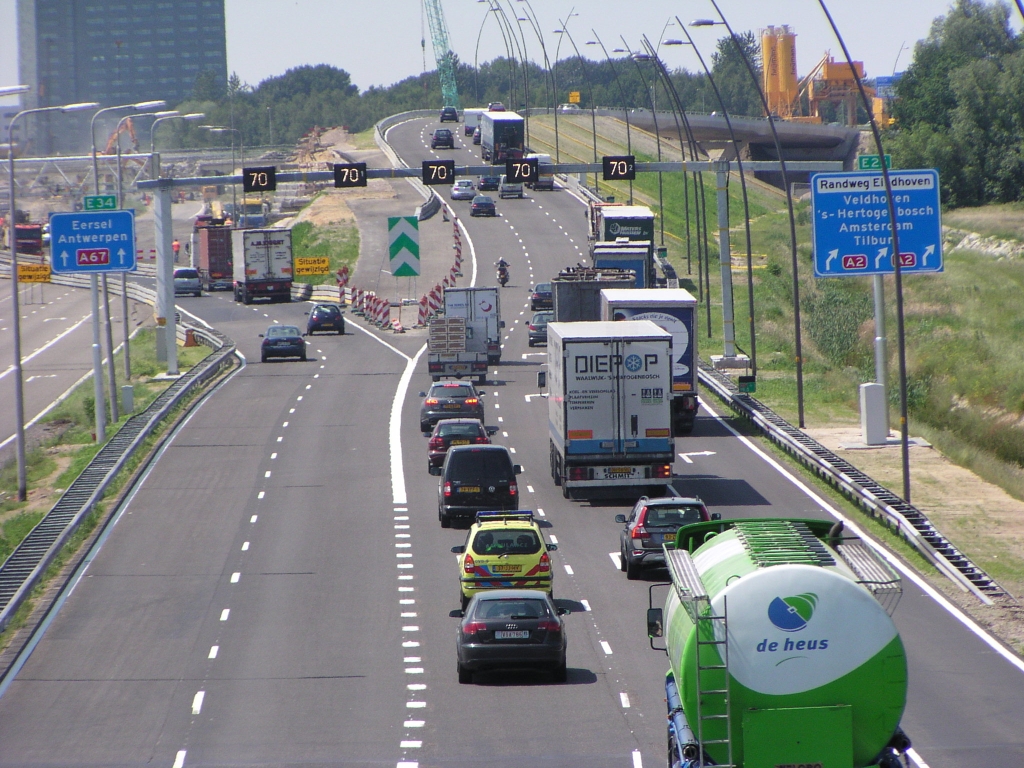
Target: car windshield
[542,318]
[465,184]
[456,391]
[325,311]
[542,288]
[677,516]
[506,542]
[282,331]
[188,274]
[458,430]
[482,200]
[508,608]
[480,465]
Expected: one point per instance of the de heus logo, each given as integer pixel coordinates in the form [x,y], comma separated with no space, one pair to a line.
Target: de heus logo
[791,614]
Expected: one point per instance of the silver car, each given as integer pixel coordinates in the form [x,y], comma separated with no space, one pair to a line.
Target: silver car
[463,190]
[186,282]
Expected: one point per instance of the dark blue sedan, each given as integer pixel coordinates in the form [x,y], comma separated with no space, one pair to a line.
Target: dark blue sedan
[282,341]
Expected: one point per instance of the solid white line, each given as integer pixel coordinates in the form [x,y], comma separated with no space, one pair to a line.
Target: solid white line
[374,336]
[637,760]
[179,759]
[916,758]
[616,559]
[398,494]
[606,648]
[994,644]
[197,702]
[47,345]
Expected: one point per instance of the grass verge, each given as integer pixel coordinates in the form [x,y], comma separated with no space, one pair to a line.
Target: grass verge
[338,243]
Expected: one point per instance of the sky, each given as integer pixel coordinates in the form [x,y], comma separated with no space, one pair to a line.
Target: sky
[378,41]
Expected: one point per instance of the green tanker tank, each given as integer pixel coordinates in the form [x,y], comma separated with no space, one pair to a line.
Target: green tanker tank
[783,653]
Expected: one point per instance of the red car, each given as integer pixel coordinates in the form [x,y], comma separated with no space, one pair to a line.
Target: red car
[449,432]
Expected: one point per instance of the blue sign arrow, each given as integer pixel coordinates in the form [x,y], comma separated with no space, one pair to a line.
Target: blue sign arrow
[92,241]
[852,231]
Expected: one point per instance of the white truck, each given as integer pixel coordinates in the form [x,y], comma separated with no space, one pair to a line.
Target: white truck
[609,417]
[545,176]
[471,119]
[262,264]
[481,308]
[673,310]
[448,352]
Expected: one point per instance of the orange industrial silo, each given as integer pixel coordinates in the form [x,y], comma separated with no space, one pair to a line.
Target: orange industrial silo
[770,68]
[785,48]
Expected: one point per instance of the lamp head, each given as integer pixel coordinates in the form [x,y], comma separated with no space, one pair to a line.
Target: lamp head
[704,23]
[80,106]
[144,105]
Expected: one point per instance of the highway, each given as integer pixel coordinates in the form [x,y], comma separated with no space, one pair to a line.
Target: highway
[276,591]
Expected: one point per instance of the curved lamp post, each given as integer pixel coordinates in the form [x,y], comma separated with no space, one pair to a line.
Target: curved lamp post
[590,88]
[19,397]
[622,96]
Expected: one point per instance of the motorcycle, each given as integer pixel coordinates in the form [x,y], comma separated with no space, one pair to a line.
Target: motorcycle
[502,276]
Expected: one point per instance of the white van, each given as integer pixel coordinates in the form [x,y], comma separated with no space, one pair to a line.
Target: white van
[471,119]
[508,188]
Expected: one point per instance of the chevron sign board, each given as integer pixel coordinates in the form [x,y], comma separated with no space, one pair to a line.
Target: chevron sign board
[404,245]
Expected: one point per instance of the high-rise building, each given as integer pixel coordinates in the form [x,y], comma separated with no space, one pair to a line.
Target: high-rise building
[116,52]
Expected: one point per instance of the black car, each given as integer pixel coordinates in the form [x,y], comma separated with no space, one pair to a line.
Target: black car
[482,205]
[489,183]
[495,106]
[442,138]
[325,317]
[476,135]
[476,478]
[511,629]
[649,524]
[282,341]
[449,115]
[449,400]
[538,327]
[541,297]
[449,432]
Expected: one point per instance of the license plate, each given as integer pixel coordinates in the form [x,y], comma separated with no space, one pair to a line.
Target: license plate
[460,442]
[507,568]
[327,325]
[619,471]
[452,407]
[519,634]
[469,489]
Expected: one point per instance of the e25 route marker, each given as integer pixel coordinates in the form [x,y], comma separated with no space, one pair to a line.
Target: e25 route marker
[852,231]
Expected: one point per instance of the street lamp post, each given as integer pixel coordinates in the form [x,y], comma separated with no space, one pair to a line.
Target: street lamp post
[19,397]
[622,95]
[94,286]
[590,89]
[531,16]
[554,81]
[241,152]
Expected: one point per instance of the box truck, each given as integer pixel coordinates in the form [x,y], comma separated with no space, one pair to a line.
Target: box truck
[481,308]
[502,137]
[262,264]
[212,257]
[451,353]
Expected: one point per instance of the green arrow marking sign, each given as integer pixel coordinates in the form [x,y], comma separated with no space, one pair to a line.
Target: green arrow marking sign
[404,245]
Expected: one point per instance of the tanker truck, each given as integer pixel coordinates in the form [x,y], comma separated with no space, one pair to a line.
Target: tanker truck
[781,647]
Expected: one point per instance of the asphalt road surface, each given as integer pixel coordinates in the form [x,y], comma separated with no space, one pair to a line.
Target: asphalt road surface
[277,591]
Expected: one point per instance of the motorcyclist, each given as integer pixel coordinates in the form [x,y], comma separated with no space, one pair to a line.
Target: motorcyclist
[502,266]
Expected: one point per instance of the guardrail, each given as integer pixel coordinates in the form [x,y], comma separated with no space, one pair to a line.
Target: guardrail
[908,521]
[27,564]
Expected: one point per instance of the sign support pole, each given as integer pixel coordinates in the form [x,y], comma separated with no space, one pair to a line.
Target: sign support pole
[100,405]
[881,355]
[165,274]
[725,260]
[111,370]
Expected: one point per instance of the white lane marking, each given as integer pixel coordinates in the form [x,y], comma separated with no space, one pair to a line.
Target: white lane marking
[260,495]
[197,702]
[606,648]
[213,651]
[315,376]
[415,704]
[401,526]
[404,577]
[411,644]
[541,512]
[414,723]
[616,559]
[407,764]
[916,758]
[309,386]
[403,554]
[280,438]
[529,488]
[403,536]
[245,546]
[407,601]
[500,419]
[411,744]
[285,425]
[414,670]
[299,398]
[554,539]
[624,700]
[179,759]
[504,434]
[267,473]
[406,589]
[410,628]
[852,527]
[224,614]
[402,544]
[47,345]
[290,410]
[585,604]
[273,456]
[401,517]
[254,517]
[398,495]
[638,761]
[412,660]
[235,577]
[401,509]
[408,615]
[498,405]
[568,569]
[512,450]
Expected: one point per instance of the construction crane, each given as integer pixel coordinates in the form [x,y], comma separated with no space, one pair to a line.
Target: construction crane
[443,55]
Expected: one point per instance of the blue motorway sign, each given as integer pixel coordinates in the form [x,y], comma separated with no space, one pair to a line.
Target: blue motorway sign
[92,241]
[852,232]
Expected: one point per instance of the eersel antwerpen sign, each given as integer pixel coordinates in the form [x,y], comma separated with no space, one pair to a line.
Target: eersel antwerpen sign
[92,242]
[852,231]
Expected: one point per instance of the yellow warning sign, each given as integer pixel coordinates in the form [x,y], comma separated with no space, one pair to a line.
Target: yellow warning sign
[312,265]
[574,97]
[33,273]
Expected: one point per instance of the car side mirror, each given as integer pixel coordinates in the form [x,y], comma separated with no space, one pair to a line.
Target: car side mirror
[435,471]
[654,622]
[716,515]
[422,394]
[456,614]
[501,324]
[552,547]
[491,431]
[458,550]
[305,334]
[305,313]
[620,518]
[517,468]
[261,335]
[542,379]
[563,611]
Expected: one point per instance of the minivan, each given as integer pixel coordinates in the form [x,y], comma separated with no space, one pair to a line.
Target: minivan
[508,188]
[476,478]
[186,282]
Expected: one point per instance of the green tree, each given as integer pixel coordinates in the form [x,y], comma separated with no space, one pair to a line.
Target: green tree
[739,92]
